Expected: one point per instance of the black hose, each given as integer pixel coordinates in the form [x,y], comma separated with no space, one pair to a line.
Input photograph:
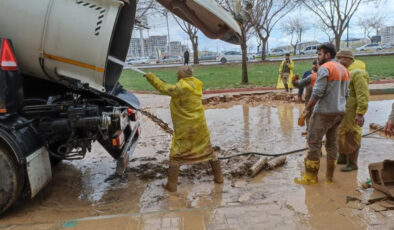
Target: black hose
[285,153]
[263,154]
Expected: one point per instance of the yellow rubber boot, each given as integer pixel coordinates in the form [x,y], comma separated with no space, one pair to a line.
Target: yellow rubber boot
[330,171]
[310,175]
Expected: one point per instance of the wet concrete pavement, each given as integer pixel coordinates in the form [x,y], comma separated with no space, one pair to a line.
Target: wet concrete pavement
[81,196]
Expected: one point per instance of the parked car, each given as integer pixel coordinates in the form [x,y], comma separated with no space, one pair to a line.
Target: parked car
[208,57]
[371,46]
[387,46]
[309,50]
[231,56]
[277,52]
[173,59]
[134,61]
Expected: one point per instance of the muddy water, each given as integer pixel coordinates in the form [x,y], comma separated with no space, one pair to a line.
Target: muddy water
[80,190]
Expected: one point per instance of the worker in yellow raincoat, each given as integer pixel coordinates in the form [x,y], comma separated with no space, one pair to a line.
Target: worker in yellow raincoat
[349,134]
[285,74]
[191,140]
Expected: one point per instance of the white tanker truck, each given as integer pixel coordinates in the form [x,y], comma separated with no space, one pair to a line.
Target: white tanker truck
[60,62]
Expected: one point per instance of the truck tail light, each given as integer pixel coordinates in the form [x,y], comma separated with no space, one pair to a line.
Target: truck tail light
[7,56]
[129,111]
[132,114]
[119,140]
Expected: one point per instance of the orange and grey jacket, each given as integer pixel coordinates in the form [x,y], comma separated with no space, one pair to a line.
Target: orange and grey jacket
[331,88]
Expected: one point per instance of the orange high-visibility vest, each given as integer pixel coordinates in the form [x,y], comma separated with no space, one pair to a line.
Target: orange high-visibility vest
[337,72]
[313,79]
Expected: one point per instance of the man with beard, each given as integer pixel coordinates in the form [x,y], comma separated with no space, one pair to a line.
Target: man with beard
[328,102]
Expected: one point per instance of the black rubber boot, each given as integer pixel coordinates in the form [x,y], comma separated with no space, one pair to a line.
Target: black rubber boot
[341,159]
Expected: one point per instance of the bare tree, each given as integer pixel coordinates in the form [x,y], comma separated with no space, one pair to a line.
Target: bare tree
[364,25]
[376,22]
[335,14]
[259,43]
[323,28]
[373,22]
[192,33]
[266,14]
[242,10]
[144,7]
[295,27]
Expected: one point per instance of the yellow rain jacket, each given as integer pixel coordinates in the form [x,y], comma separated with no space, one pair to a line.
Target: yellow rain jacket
[279,84]
[191,141]
[349,134]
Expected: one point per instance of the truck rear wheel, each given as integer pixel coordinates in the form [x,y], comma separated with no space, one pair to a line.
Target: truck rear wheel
[10,179]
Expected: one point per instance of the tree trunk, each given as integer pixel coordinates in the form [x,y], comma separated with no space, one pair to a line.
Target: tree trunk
[263,49]
[338,41]
[195,50]
[244,64]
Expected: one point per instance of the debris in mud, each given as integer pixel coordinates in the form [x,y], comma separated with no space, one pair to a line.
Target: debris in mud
[232,168]
[264,163]
[249,98]
[147,171]
[144,159]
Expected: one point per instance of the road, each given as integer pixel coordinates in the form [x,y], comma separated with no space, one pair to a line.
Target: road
[82,194]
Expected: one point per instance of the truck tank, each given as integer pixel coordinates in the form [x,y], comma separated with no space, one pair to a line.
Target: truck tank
[69,41]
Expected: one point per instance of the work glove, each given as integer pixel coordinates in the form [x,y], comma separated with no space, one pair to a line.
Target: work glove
[149,75]
[295,77]
[389,128]
[359,120]
[301,119]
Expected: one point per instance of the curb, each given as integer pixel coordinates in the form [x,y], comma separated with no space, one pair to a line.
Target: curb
[237,90]
[381,91]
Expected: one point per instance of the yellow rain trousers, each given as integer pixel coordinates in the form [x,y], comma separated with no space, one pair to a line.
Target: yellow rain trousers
[349,134]
[279,84]
[191,140]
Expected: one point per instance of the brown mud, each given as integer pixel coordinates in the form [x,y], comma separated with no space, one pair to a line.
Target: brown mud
[81,196]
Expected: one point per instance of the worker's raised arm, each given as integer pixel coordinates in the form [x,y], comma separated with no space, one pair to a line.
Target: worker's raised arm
[291,65]
[303,82]
[163,87]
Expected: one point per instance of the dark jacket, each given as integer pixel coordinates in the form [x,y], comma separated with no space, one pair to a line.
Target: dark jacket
[301,89]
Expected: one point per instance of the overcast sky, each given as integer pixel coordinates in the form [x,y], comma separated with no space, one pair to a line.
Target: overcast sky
[158,26]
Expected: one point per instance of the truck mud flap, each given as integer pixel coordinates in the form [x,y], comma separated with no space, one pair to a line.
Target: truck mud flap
[128,149]
[39,172]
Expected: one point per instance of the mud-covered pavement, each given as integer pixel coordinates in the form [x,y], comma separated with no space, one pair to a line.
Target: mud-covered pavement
[82,194]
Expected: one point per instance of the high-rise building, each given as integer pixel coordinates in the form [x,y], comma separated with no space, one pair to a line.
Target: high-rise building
[387,34]
[152,46]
